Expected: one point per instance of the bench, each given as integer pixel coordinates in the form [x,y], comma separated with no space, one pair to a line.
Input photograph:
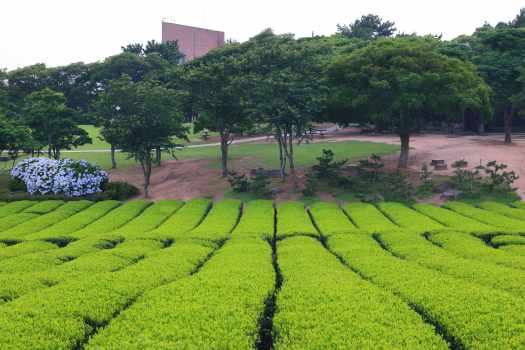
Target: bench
[439,164]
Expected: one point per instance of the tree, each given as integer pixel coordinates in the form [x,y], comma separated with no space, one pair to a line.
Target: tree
[404,84]
[369,27]
[284,88]
[14,137]
[145,115]
[52,122]
[217,96]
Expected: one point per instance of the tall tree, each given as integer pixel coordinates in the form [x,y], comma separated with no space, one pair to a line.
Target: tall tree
[145,115]
[52,122]
[404,84]
[367,28]
[14,137]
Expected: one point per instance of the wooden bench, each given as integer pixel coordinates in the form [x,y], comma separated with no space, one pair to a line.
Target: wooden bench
[439,164]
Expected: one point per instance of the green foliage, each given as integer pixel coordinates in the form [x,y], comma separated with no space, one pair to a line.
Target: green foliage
[14,137]
[475,316]
[184,220]
[504,240]
[408,218]
[13,220]
[238,182]
[367,217]
[426,183]
[257,220]
[44,207]
[518,250]
[15,207]
[503,209]
[369,27]
[316,286]
[220,221]
[25,248]
[330,219]
[258,184]
[293,219]
[16,185]
[218,301]
[328,168]
[120,190]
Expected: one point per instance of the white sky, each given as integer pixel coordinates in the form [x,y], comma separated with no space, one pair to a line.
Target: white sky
[58,32]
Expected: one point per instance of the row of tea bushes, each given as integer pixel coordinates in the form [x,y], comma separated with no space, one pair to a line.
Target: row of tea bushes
[503,209]
[452,219]
[486,216]
[408,218]
[330,219]
[368,218]
[293,219]
[469,315]
[257,220]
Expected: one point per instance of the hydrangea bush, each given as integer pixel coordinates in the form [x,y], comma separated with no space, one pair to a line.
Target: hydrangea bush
[72,178]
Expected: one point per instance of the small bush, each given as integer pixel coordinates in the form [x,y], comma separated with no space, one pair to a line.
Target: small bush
[16,185]
[120,190]
[258,184]
[238,182]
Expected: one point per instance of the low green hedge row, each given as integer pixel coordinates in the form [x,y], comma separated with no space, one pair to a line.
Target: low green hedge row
[150,218]
[257,220]
[14,207]
[485,216]
[324,305]
[518,250]
[40,261]
[63,316]
[474,248]
[115,220]
[519,204]
[25,248]
[452,219]
[505,210]
[414,247]
[13,220]
[219,222]
[293,219]
[217,308]
[76,222]
[44,207]
[330,219]
[43,221]
[367,217]
[507,240]
[108,260]
[473,316]
[183,221]
[408,218]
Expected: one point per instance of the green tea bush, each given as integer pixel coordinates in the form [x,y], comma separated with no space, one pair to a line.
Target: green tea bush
[485,216]
[518,250]
[120,190]
[507,240]
[76,222]
[415,248]
[219,222]
[219,301]
[505,210]
[516,204]
[324,305]
[292,220]
[184,220]
[367,217]
[41,222]
[452,219]
[257,220]
[25,248]
[44,207]
[15,207]
[408,218]
[474,248]
[64,316]
[13,220]
[330,219]
[473,316]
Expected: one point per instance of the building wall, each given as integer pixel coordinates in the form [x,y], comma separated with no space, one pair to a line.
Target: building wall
[193,42]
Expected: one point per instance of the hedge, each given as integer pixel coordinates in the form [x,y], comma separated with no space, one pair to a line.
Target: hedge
[217,308]
[367,217]
[183,221]
[48,259]
[474,248]
[519,204]
[324,305]
[507,240]
[108,260]
[472,316]
[415,248]
[518,250]
[151,218]
[408,218]
[63,316]
[118,218]
[13,220]
[452,219]
[77,221]
[44,207]
[257,220]
[219,222]
[41,222]
[330,219]
[486,216]
[25,248]
[504,210]
[14,207]
[292,220]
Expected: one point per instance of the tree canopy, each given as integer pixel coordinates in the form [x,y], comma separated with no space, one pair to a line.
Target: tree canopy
[368,27]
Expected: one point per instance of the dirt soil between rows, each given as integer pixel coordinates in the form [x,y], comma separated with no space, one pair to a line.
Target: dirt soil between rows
[185,179]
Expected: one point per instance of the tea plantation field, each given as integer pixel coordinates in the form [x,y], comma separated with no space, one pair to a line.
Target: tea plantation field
[227,275]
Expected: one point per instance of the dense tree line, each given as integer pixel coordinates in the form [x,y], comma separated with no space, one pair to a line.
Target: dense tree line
[365,73]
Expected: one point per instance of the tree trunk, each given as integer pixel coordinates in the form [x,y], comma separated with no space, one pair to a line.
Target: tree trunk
[291,161]
[49,153]
[158,155]
[146,169]
[225,136]
[405,146]
[282,159]
[113,160]
[507,120]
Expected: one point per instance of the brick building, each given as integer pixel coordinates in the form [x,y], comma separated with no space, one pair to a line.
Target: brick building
[193,42]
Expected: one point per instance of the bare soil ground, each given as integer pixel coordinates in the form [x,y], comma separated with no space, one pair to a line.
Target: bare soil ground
[184,179]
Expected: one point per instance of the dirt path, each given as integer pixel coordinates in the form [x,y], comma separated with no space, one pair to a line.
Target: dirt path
[184,179]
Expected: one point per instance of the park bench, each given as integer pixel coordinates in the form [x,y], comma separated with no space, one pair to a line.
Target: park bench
[439,164]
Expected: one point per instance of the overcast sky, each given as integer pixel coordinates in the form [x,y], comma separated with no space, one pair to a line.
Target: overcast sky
[58,32]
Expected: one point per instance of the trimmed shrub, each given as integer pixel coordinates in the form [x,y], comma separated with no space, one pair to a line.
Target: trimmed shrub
[120,190]
[183,221]
[16,185]
[257,220]
[507,240]
[504,210]
[220,221]
[408,218]
[293,219]
[330,219]
[367,217]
